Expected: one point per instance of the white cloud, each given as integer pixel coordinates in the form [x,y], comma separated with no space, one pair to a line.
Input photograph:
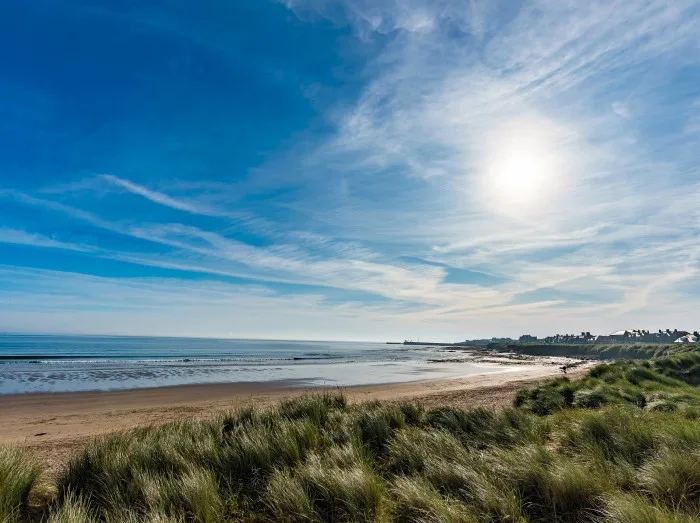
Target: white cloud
[19,237]
[437,100]
[369,17]
[621,109]
[58,302]
[158,197]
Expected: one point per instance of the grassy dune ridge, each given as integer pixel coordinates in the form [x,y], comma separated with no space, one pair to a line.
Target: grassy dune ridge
[667,383]
[621,445]
[590,350]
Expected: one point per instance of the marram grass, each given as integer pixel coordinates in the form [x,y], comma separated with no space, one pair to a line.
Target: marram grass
[18,474]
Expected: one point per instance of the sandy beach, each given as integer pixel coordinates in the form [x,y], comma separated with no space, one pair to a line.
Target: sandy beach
[53,425]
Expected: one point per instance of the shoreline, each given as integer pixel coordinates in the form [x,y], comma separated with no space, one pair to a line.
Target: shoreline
[53,425]
[490,367]
[76,394]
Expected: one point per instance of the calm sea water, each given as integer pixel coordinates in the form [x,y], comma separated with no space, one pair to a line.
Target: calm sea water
[81,363]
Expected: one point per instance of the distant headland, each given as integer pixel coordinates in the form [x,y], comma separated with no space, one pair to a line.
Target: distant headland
[626,336]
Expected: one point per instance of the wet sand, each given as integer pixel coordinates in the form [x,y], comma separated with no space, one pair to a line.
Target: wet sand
[53,425]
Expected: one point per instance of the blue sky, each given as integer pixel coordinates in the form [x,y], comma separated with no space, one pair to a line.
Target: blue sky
[351,169]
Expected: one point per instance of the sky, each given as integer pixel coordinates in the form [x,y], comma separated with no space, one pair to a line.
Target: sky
[349,169]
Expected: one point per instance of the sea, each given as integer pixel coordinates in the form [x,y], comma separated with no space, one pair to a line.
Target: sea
[31,364]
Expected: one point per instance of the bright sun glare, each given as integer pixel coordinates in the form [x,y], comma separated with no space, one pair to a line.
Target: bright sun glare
[521,167]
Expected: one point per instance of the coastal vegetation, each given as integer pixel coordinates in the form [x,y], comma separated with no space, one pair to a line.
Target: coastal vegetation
[621,444]
[595,351]
[18,475]
[667,383]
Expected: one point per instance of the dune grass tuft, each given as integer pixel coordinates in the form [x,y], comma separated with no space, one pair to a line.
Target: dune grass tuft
[613,435]
[72,510]
[416,501]
[322,491]
[673,478]
[635,508]
[18,474]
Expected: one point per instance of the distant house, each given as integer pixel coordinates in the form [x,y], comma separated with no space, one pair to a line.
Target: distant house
[584,337]
[526,338]
[502,340]
[642,336]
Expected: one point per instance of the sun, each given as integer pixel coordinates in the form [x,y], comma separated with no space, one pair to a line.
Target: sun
[522,166]
[519,177]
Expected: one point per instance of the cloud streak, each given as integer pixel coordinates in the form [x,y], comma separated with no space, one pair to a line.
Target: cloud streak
[158,197]
[19,237]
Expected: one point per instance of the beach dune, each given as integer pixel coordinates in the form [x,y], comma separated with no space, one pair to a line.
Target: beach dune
[53,425]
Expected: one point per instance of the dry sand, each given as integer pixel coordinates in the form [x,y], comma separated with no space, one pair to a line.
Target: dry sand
[54,425]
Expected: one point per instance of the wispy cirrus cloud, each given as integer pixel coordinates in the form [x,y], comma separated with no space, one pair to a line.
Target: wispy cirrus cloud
[20,237]
[439,99]
[405,283]
[54,298]
[159,197]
